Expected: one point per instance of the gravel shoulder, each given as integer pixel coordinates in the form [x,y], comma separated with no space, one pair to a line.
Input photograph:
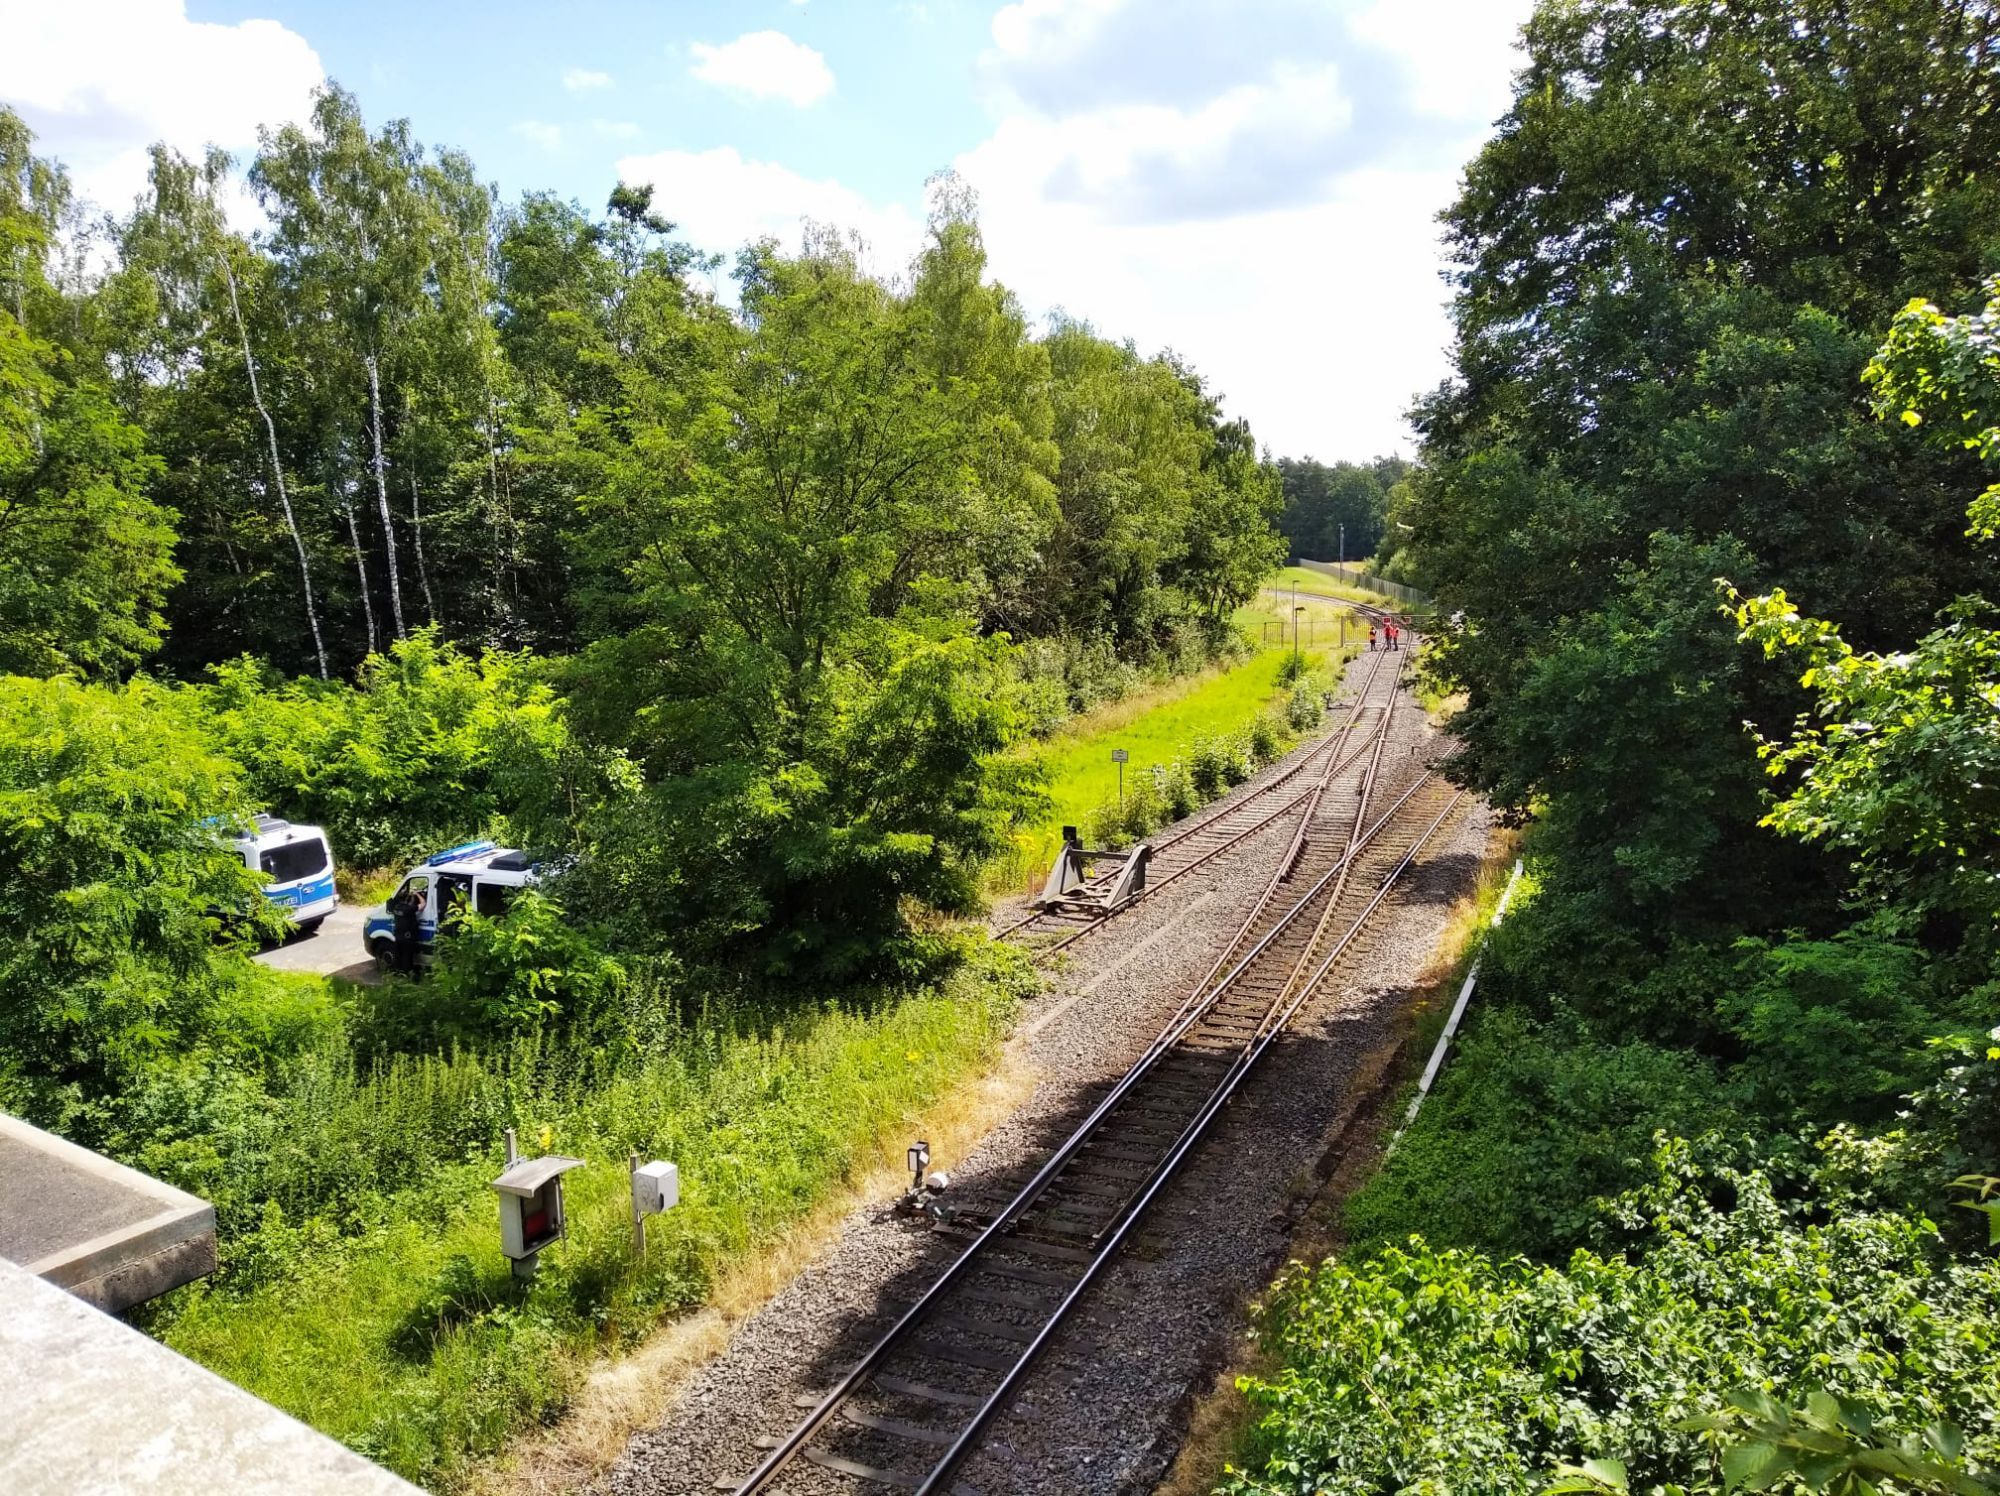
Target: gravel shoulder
[1104,1411]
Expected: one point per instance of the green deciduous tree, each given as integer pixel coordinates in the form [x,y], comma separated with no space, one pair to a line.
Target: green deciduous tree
[796,674]
[1341,510]
[111,834]
[85,555]
[1675,257]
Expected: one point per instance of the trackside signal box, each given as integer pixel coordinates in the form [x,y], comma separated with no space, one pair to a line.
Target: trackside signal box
[655,1187]
[531,1208]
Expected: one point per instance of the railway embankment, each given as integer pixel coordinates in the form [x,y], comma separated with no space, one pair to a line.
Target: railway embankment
[1103,1409]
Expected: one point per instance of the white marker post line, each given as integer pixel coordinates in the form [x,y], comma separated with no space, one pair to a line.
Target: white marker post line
[1451,1024]
[1034,1029]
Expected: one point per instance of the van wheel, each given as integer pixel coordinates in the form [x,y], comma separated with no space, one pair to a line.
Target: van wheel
[384,952]
[311,926]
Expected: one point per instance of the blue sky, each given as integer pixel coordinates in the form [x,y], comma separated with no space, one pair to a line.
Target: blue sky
[1252,183]
[903,102]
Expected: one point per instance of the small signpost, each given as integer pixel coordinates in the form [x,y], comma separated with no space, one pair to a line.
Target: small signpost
[1119,757]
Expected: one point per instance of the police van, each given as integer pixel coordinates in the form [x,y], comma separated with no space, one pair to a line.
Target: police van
[299,862]
[480,876]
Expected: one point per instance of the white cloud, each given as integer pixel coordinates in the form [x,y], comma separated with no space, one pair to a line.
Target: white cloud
[101,80]
[1050,29]
[615,129]
[1465,80]
[765,65]
[721,202]
[1318,323]
[582,80]
[1254,185]
[1254,143]
[1267,211]
[539,132]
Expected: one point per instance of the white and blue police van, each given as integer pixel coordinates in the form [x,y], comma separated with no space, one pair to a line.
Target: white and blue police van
[298,860]
[480,876]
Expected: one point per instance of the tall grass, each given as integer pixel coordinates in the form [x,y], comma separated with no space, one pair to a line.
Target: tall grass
[387,1317]
[1158,732]
[1319,584]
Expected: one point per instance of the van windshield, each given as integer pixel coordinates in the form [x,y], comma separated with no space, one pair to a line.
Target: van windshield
[294,860]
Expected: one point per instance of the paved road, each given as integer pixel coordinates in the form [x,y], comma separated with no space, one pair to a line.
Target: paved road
[336,951]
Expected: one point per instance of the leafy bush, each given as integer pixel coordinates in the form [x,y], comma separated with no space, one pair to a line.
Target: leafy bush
[1419,1368]
[1306,704]
[1531,1122]
[114,874]
[1833,1029]
[1062,675]
[495,978]
[1267,737]
[430,747]
[1217,764]
[1142,811]
[808,853]
[1173,786]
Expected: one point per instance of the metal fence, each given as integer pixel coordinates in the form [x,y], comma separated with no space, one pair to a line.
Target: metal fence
[1354,576]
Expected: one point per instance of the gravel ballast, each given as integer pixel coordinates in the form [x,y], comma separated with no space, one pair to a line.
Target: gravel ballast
[1104,1409]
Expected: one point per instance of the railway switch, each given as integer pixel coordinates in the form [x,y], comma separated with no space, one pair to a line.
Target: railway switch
[925,1194]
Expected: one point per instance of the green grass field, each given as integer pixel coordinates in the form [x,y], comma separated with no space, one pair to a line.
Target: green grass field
[407,1339]
[1320,585]
[1154,727]
[1267,621]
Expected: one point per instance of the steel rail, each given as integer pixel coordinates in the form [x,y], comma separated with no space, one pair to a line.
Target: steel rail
[1223,812]
[1163,1172]
[1216,814]
[1041,952]
[1297,847]
[780,1456]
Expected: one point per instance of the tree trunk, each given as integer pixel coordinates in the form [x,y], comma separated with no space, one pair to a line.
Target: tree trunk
[502,509]
[382,495]
[417,533]
[360,561]
[277,469]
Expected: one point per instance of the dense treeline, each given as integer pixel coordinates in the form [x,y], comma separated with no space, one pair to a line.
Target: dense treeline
[405,402]
[1338,511]
[1726,642]
[769,554]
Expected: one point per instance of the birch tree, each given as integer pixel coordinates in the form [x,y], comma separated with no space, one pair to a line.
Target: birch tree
[350,235]
[178,240]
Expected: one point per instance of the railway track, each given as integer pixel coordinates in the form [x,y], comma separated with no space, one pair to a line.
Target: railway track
[911,1409]
[1204,839]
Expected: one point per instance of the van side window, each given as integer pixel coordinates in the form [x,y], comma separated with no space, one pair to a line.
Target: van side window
[418,888]
[492,899]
